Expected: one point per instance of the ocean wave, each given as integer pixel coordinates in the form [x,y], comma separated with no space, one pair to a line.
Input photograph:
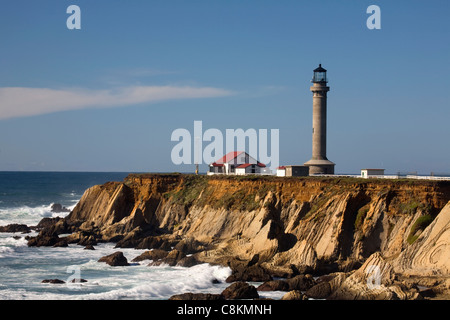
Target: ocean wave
[9,242]
[5,250]
[24,269]
[30,215]
[162,282]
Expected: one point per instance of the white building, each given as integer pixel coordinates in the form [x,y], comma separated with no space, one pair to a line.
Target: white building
[281,171]
[367,173]
[239,163]
[293,171]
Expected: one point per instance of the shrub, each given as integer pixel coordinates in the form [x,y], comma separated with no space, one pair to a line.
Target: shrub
[362,213]
[420,225]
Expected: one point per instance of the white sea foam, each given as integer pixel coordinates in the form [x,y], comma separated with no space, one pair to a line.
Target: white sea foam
[144,282]
[7,241]
[24,268]
[30,215]
[4,251]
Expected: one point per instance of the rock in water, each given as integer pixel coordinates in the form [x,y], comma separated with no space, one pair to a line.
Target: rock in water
[53,281]
[240,290]
[171,259]
[48,222]
[274,285]
[319,291]
[196,296]
[240,272]
[43,240]
[115,259]
[12,228]
[301,282]
[80,280]
[294,295]
[58,208]
[155,255]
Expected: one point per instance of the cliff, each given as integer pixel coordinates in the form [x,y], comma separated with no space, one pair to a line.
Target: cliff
[284,225]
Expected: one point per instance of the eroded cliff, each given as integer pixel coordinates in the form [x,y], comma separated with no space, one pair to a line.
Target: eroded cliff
[285,225]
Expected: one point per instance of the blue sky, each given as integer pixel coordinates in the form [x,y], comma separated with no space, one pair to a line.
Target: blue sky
[107,97]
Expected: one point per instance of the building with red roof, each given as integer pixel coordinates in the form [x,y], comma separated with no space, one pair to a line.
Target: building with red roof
[239,163]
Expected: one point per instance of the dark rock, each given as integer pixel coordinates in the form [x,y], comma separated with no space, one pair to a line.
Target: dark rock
[326,278]
[349,265]
[301,269]
[254,273]
[131,239]
[78,280]
[240,290]
[156,242]
[115,259]
[320,291]
[116,238]
[62,243]
[189,246]
[43,240]
[427,292]
[13,228]
[155,255]
[274,285]
[47,222]
[172,258]
[284,272]
[188,262]
[301,282]
[54,226]
[89,247]
[87,239]
[196,296]
[294,295]
[53,281]
[254,260]
[58,208]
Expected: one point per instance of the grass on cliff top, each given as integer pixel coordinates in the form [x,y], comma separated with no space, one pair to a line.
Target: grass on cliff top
[195,185]
[330,179]
[190,190]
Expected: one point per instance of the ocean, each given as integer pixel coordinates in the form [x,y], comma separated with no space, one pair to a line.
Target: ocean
[27,197]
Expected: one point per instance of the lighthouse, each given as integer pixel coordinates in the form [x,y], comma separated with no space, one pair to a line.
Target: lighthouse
[319,163]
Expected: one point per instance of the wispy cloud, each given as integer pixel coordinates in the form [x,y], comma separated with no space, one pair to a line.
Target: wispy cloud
[22,102]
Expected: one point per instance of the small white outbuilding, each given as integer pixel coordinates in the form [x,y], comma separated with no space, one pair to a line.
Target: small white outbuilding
[368,173]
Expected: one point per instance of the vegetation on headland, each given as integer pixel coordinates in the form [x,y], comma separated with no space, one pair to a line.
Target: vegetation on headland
[418,226]
[360,216]
[340,180]
[201,189]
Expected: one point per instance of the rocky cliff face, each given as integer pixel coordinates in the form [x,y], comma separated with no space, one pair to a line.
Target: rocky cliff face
[314,225]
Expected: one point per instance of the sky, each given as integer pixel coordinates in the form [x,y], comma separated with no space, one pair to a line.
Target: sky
[108,96]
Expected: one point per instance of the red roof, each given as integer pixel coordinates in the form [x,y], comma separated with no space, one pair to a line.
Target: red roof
[281,168]
[245,165]
[217,164]
[229,156]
